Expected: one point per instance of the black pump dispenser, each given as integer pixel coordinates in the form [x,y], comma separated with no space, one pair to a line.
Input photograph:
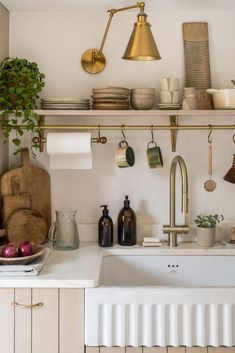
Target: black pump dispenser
[105,228]
[126,202]
[105,210]
[126,225]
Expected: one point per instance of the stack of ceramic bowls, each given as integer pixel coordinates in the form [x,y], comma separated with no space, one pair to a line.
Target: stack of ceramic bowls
[142,98]
[65,104]
[110,98]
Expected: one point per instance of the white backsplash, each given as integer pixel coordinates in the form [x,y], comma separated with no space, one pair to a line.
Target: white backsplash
[89,232]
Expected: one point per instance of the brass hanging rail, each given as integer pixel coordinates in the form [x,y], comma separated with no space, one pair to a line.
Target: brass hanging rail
[130,127]
[173,128]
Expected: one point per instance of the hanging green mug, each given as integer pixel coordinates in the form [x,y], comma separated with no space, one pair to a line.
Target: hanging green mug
[154,155]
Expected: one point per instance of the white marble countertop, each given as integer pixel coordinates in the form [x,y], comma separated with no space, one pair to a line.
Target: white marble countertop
[81,268]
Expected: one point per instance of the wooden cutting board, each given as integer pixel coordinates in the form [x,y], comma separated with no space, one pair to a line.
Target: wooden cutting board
[197,61]
[34,181]
[16,201]
[26,225]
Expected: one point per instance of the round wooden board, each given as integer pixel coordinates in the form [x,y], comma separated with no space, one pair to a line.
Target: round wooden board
[26,225]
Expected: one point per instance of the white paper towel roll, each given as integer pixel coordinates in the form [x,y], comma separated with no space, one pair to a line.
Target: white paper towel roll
[68,143]
[69,150]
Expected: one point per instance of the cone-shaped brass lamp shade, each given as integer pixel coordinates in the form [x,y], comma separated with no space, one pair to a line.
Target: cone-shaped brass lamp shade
[141,45]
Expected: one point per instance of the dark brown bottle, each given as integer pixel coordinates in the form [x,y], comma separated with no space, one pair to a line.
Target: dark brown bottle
[105,229]
[126,225]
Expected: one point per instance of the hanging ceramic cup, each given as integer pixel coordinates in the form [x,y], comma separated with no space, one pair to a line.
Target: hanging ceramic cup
[124,156]
[154,155]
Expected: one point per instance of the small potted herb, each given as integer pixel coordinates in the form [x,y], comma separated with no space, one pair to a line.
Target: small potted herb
[20,83]
[206,229]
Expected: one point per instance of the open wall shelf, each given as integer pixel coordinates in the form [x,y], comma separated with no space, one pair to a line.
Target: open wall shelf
[173,116]
[173,126]
[136,112]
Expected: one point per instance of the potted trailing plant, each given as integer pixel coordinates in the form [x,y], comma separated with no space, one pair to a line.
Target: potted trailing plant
[20,83]
[206,228]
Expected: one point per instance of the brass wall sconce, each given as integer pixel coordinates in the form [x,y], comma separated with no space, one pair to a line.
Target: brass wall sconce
[141,45]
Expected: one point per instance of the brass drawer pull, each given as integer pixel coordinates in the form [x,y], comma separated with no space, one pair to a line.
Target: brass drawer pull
[27,306]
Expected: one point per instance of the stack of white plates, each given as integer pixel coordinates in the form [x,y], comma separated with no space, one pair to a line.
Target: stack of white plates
[65,104]
[113,98]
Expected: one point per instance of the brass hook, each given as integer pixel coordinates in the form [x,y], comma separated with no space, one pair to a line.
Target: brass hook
[234,138]
[209,135]
[123,132]
[152,134]
[99,139]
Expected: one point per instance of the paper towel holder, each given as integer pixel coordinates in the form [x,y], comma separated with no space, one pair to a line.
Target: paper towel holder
[42,140]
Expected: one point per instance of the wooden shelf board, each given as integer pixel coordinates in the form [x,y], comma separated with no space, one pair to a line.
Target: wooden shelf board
[188,113]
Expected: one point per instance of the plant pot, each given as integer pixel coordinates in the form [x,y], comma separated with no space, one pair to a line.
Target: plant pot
[205,237]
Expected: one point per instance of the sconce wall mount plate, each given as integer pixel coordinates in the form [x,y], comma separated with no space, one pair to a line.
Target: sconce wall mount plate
[93,61]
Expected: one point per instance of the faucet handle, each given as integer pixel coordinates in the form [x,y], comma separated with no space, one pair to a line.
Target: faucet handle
[182,229]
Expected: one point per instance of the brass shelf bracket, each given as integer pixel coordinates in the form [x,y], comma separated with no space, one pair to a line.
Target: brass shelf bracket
[174,123]
[41,132]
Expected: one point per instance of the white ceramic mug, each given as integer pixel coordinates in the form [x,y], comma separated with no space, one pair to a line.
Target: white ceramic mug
[165,97]
[189,103]
[168,97]
[189,91]
[175,97]
[169,84]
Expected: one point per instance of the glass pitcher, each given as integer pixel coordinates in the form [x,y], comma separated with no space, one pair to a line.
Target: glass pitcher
[64,232]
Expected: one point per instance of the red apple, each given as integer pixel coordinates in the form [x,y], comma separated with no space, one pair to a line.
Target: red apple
[25,249]
[9,251]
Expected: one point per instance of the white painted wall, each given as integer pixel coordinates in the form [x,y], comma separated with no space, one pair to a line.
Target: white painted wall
[56,42]
[4,52]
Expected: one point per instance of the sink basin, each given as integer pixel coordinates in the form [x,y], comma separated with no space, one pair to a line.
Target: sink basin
[176,271]
[162,300]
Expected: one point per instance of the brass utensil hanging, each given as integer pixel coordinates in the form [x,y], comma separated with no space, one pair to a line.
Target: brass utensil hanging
[230,176]
[210,185]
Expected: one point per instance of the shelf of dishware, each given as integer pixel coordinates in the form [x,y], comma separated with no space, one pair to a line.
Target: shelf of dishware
[136,113]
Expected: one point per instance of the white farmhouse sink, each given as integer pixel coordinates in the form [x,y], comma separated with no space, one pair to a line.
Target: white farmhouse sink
[162,300]
[170,271]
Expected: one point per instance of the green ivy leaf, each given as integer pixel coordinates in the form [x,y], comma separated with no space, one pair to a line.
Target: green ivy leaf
[11,90]
[16,141]
[20,131]
[19,114]
[19,90]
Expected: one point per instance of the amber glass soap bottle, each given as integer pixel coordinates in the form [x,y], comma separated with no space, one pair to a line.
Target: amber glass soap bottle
[127,225]
[105,227]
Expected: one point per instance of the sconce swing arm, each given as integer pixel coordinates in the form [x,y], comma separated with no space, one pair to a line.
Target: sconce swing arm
[112,12]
